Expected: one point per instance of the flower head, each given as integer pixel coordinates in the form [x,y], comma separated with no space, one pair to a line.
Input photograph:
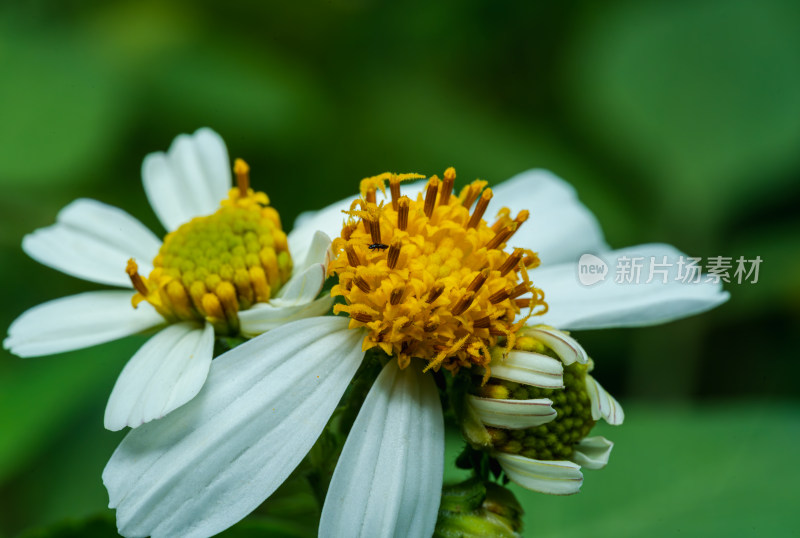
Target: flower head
[428,279]
[404,265]
[223,269]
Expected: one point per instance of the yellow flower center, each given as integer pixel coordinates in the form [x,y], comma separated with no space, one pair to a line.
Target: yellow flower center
[213,266]
[429,279]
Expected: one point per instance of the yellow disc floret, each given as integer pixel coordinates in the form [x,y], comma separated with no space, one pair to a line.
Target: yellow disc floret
[213,266]
[430,279]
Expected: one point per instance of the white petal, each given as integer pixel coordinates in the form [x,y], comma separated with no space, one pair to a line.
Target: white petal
[592,452]
[552,477]
[560,227]
[265,317]
[388,480]
[330,219]
[166,372]
[212,461]
[513,414]
[318,252]
[93,241]
[531,369]
[189,180]
[603,404]
[612,304]
[303,287]
[78,321]
[566,347]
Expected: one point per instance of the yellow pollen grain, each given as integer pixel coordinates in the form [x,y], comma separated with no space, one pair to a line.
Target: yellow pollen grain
[426,277]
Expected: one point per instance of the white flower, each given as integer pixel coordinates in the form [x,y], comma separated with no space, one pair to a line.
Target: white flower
[533,459]
[210,463]
[188,187]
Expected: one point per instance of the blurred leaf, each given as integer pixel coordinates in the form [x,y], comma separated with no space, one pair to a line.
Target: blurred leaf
[60,106]
[703,96]
[95,527]
[38,401]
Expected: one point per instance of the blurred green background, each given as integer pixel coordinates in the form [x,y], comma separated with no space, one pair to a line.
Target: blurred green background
[676,121]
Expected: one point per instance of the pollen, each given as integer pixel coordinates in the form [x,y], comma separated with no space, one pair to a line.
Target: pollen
[444,289]
[213,266]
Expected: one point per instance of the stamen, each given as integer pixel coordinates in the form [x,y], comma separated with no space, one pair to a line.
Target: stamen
[242,171]
[523,303]
[482,323]
[499,238]
[375,230]
[471,192]
[483,203]
[500,295]
[478,281]
[522,216]
[361,316]
[447,185]
[518,290]
[503,219]
[136,279]
[371,196]
[362,284]
[352,256]
[436,291]
[463,303]
[430,326]
[430,196]
[511,262]
[495,331]
[394,188]
[348,229]
[394,254]
[402,214]
[396,296]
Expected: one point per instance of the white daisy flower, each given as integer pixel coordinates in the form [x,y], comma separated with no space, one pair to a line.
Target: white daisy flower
[223,269]
[425,279]
[537,428]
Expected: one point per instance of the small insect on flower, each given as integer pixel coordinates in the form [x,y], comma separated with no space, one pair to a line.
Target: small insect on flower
[378,246]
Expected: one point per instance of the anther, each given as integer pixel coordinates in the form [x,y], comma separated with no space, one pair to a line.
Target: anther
[482,323]
[352,256]
[396,296]
[371,195]
[522,216]
[136,279]
[447,186]
[503,219]
[494,331]
[394,254]
[430,196]
[242,171]
[430,326]
[511,262]
[478,281]
[480,209]
[394,188]
[463,303]
[500,237]
[523,303]
[500,295]
[402,214]
[348,229]
[435,292]
[375,230]
[362,284]
[471,193]
[518,290]
[361,316]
